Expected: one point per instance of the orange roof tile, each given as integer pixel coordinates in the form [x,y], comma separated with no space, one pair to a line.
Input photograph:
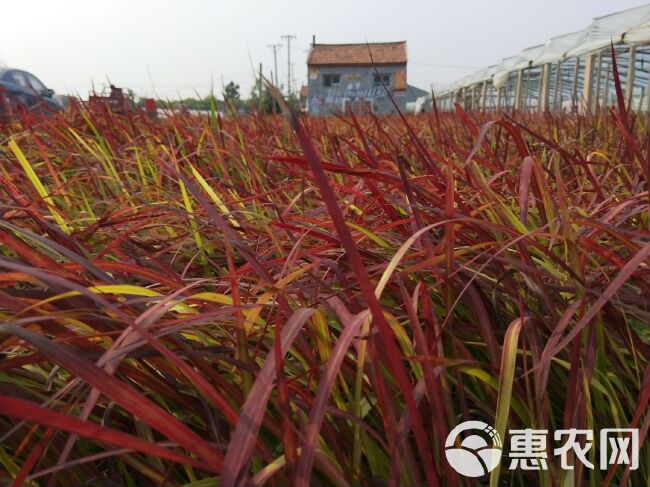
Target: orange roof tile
[383,53]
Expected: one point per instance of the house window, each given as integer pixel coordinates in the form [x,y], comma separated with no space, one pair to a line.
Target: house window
[381,79]
[330,80]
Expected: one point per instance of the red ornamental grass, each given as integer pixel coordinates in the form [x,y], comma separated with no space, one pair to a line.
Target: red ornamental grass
[290,301]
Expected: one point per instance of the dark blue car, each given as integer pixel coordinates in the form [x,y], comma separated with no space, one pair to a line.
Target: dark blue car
[20,88]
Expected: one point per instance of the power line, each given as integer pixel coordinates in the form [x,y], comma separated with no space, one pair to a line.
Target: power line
[451,66]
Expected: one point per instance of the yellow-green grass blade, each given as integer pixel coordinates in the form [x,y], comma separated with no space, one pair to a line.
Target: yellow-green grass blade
[38,186]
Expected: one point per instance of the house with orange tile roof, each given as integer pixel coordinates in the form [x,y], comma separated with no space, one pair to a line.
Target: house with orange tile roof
[361,78]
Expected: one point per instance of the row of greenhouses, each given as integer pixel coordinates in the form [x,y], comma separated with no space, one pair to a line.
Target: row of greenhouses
[569,72]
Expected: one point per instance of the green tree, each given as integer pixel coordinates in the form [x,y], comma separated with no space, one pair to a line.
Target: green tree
[265,104]
[231,92]
[261,102]
[231,97]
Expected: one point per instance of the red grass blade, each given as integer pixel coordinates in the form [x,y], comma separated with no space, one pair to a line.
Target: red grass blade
[242,442]
[317,412]
[32,412]
[555,343]
[363,279]
[124,395]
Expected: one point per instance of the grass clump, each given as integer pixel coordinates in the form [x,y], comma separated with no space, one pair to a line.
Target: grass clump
[317,302]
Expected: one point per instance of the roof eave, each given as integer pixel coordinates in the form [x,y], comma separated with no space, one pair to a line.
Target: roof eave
[360,65]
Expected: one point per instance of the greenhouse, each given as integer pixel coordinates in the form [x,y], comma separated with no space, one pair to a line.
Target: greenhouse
[571,72]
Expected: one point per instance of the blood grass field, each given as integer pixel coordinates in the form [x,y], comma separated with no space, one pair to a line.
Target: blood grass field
[246,301]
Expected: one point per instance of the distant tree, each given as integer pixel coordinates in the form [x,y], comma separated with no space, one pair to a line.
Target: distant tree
[265,104]
[231,97]
[210,102]
[293,101]
[132,95]
[231,92]
[261,99]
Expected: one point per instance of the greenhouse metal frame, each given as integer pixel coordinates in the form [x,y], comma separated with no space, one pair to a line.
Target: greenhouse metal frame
[572,72]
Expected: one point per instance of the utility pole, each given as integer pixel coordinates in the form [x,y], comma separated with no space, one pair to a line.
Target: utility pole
[259,92]
[288,37]
[275,48]
[273,99]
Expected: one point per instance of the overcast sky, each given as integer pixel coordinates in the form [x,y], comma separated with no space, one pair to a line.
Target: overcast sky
[181,45]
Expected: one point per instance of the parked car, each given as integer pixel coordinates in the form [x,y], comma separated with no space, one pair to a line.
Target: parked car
[20,88]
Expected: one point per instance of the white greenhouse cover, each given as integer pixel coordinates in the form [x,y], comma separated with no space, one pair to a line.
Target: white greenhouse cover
[527,56]
[610,28]
[503,70]
[630,27]
[487,73]
[639,34]
[556,47]
[478,77]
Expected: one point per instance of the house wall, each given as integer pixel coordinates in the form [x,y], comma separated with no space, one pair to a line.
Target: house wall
[357,83]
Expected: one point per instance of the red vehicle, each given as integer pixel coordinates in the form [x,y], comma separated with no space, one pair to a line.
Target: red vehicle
[117,100]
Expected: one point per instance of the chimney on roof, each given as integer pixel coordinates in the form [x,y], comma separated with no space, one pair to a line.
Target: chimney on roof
[313,40]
